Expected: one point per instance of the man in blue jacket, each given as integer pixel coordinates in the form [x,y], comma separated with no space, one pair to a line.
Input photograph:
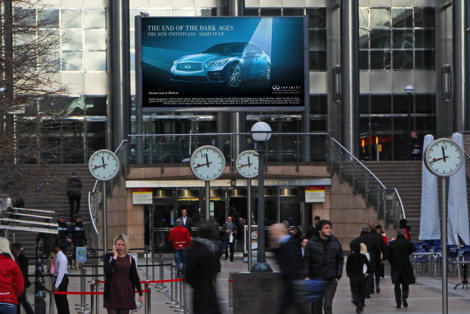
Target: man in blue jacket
[324,260]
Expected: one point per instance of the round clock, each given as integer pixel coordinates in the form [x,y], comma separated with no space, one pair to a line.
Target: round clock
[443,157]
[103,165]
[247,163]
[207,163]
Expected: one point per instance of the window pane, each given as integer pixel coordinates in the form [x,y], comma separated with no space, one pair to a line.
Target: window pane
[94,18]
[425,104]
[380,124]
[26,17]
[71,18]
[363,38]
[270,11]
[379,38]
[48,18]
[317,60]
[293,11]
[364,126]
[95,61]
[424,60]
[424,38]
[317,39]
[95,39]
[363,60]
[95,105]
[403,39]
[316,18]
[318,105]
[380,60]
[72,61]
[380,17]
[381,104]
[72,40]
[364,18]
[364,104]
[402,60]
[424,17]
[402,17]
[401,103]
[251,12]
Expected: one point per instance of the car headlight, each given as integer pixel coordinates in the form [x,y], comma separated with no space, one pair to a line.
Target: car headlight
[217,63]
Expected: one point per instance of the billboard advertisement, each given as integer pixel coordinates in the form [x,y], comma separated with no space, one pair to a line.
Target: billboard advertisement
[215,62]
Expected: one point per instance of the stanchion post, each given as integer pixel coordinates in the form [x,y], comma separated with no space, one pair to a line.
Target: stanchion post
[162,275]
[185,299]
[148,299]
[51,295]
[177,303]
[172,284]
[92,298]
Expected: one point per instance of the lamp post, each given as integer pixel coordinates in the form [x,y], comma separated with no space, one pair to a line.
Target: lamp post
[261,133]
[409,90]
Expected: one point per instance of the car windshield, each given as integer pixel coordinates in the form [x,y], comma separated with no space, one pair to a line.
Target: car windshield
[227,48]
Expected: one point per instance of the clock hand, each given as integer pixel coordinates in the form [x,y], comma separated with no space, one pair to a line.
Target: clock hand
[96,167]
[249,163]
[437,159]
[207,161]
[104,165]
[201,165]
[443,153]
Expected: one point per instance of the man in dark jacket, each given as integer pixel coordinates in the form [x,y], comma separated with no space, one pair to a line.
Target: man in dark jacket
[74,194]
[203,264]
[324,260]
[374,251]
[382,254]
[399,251]
[64,233]
[289,259]
[23,263]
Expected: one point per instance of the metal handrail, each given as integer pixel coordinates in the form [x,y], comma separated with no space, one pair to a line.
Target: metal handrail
[387,201]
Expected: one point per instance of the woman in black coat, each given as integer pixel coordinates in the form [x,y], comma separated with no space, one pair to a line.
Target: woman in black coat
[399,252]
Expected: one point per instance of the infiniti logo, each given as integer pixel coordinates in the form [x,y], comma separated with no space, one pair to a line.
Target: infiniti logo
[187,66]
[276,87]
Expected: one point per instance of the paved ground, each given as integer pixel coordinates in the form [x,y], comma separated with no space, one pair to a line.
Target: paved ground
[425,295]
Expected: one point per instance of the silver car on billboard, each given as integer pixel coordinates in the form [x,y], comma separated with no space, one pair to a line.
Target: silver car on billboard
[231,64]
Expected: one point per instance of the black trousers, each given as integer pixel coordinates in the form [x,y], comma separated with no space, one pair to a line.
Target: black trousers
[401,293]
[22,301]
[74,201]
[358,289]
[231,247]
[61,301]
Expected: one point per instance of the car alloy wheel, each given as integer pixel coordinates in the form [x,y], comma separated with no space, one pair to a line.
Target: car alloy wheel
[234,76]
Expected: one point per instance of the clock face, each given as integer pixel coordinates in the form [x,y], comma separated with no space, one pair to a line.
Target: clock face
[103,165]
[443,157]
[247,164]
[207,163]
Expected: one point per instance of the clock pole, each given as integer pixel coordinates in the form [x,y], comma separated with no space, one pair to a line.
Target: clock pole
[208,199]
[105,221]
[248,237]
[444,246]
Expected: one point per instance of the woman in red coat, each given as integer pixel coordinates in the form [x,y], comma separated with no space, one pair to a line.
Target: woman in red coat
[12,283]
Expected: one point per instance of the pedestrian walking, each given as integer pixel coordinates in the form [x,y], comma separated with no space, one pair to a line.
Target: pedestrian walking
[356,269]
[288,256]
[380,257]
[399,251]
[65,235]
[324,260]
[202,267]
[229,231]
[23,263]
[74,194]
[12,282]
[181,240]
[61,282]
[121,278]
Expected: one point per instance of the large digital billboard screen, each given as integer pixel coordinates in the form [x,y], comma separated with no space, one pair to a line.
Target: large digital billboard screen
[220,62]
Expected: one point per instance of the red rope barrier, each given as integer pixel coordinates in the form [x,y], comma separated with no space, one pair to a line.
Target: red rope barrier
[88,293]
[155,281]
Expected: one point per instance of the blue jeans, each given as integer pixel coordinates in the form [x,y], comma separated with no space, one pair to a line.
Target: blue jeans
[180,259]
[7,308]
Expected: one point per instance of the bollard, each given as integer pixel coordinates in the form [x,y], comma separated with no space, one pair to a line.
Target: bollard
[185,299]
[172,286]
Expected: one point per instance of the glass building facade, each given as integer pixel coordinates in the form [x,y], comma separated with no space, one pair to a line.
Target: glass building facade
[400,43]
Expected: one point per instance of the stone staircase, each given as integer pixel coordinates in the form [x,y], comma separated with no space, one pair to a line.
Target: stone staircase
[50,194]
